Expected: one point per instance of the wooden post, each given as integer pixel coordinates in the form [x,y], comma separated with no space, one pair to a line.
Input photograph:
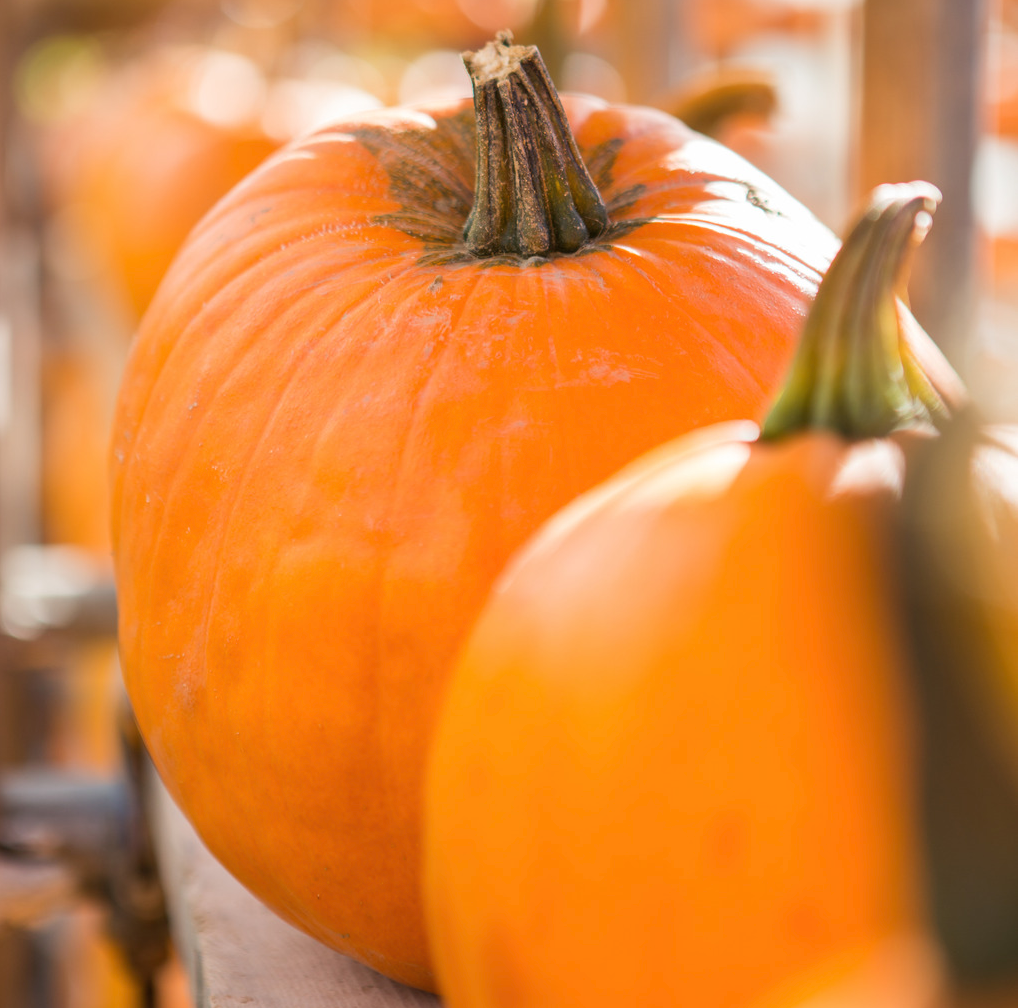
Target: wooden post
[921,117]
[649,45]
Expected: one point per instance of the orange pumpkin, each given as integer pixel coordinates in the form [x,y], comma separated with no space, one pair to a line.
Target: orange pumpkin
[164,137]
[675,764]
[341,415]
[76,403]
[151,155]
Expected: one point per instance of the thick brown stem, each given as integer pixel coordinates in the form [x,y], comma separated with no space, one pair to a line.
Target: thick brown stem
[533,195]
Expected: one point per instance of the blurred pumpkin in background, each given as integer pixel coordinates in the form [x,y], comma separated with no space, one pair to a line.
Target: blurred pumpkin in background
[164,136]
[411,26]
[78,389]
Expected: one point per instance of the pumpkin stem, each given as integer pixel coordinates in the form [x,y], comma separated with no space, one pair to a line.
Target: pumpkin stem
[533,194]
[854,371]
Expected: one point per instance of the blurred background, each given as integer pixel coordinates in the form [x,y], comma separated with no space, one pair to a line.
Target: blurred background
[122,121]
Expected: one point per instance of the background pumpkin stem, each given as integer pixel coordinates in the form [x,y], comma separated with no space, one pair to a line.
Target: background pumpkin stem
[854,372]
[533,194]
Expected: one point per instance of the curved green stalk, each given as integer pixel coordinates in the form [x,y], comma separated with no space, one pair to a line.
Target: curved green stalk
[854,373]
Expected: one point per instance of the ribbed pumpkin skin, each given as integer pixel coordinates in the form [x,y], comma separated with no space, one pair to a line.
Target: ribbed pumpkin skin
[335,427]
[675,762]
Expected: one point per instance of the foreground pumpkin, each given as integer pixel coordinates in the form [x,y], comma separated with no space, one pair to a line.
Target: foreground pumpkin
[348,404]
[676,761]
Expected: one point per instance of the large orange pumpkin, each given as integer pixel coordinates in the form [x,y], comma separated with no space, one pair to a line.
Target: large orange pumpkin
[340,416]
[676,762]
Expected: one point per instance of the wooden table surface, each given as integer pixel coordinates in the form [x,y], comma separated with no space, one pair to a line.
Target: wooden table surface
[237,952]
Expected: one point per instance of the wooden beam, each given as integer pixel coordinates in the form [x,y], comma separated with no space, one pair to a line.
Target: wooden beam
[921,117]
[236,951]
[649,47]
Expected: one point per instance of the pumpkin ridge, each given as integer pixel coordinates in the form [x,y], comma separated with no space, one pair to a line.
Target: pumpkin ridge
[244,220]
[225,294]
[416,422]
[178,286]
[554,284]
[234,488]
[622,189]
[401,489]
[417,414]
[687,233]
[221,226]
[739,354]
[621,203]
[632,188]
[191,335]
[745,239]
[451,331]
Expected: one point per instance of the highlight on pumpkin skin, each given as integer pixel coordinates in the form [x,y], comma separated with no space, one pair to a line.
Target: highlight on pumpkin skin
[533,194]
[854,373]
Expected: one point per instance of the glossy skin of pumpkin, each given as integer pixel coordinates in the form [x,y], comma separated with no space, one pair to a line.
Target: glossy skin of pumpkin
[675,764]
[334,428]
